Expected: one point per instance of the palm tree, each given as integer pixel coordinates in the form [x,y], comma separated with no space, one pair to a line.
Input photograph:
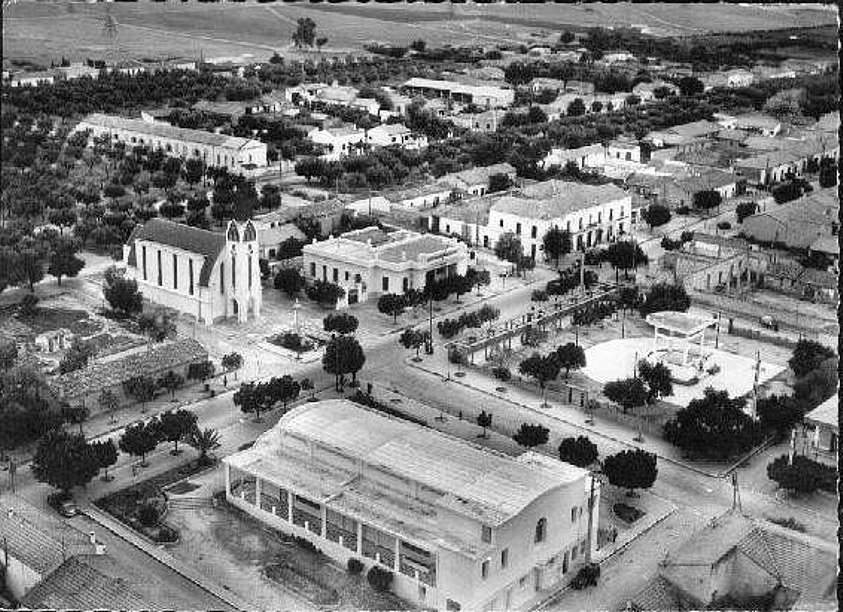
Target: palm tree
[204,440]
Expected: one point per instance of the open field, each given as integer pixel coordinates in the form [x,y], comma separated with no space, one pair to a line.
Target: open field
[44,31]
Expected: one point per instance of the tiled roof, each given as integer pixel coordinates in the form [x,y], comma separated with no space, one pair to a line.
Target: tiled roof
[412,249]
[192,239]
[105,375]
[570,198]
[756,120]
[481,174]
[78,585]
[661,594]
[826,244]
[164,130]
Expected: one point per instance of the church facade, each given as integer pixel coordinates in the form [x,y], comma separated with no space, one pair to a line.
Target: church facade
[207,275]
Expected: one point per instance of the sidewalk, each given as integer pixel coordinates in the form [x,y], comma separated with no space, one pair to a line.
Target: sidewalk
[158,553]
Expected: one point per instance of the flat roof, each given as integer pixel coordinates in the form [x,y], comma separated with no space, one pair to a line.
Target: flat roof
[485,485]
[679,322]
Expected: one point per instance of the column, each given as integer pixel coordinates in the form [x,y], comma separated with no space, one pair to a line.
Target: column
[397,563]
[257,491]
[359,538]
[289,506]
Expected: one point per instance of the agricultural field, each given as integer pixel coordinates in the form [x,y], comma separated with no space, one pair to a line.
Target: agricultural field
[38,32]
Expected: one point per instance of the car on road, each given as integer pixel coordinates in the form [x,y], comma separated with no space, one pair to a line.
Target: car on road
[68,509]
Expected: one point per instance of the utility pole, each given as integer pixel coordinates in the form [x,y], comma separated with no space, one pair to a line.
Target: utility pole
[590,519]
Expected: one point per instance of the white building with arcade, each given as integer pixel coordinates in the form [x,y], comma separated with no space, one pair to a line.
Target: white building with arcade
[208,275]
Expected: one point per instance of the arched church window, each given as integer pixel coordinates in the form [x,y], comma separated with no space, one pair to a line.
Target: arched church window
[249,233]
[233,234]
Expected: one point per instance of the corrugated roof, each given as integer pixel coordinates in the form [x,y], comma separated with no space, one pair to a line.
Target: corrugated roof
[483,484]
[77,585]
[192,239]
[164,130]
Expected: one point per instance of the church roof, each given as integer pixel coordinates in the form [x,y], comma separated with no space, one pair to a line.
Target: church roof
[192,239]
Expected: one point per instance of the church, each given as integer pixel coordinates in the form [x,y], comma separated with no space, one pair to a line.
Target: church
[207,275]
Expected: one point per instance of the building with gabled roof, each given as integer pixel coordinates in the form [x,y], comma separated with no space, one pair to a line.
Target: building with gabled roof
[371,261]
[475,181]
[798,223]
[208,275]
[824,421]
[240,155]
[491,95]
[395,135]
[459,526]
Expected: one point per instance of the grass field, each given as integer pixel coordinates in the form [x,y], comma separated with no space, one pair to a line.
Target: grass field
[43,31]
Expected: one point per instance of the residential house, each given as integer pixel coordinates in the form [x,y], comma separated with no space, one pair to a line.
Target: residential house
[32,79]
[539,84]
[709,262]
[823,422]
[370,262]
[646,91]
[753,123]
[395,134]
[338,141]
[465,218]
[458,526]
[370,105]
[421,197]
[685,136]
[616,56]
[624,149]
[271,234]
[490,96]
[583,157]
[829,246]
[208,275]
[486,121]
[78,70]
[475,181]
[582,88]
[796,224]
[736,558]
[739,77]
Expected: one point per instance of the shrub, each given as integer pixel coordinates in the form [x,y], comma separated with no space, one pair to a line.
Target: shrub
[803,475]
[724,225]
[501,373]
[745,209]
[789,523]
[355,566]
[539,295]
[379,578]
[682,210]
[148,514]
[166,534]
[305,544]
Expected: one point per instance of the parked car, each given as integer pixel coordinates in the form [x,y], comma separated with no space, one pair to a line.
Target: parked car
[68,509]
[769,322]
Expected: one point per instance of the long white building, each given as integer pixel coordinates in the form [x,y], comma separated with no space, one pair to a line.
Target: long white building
[370,262]
[460,527]
[488,96]
[238,155]
[207,275]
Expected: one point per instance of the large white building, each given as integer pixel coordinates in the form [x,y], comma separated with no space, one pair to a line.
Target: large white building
[205,274]
[238,155]
[459,526]
[488,96]
[371,261]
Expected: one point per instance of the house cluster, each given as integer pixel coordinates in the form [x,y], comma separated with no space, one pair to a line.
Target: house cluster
[461,527]
[92,70]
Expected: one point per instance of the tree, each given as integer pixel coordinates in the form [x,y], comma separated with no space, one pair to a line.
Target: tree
[30,267]
[628,392]
[412,338]
[625,255]
[690,86]
[106,455]
[157,325]
[665,296]
[141,389]
[779,413]
[744,210]
[499,182]
[340,322]
[418,45]
[571,357]
[817,385]
[107,401]
[307,385]
[171,381]
[508,248]
[203,440]
[8,354]
[249,398]
[566,37]
[320,42]
[706,200]
[555,243]
[629,297]
[658,379]
[828,174]
[714,426]
[807,356]
[232,362]
[201,370]
[579,451]
[530,435]
[343,355]
[631,469]
[63,259]
[542,368]
[576,108]
[75,414]
[484,420]
[176,426]
[76,357]
[802,475]
[289,281]
[139,439]
[121,293]
[289,248]
[194,170]
[392,304]
[655,215]
[325,293]
[64,460]
[305,33]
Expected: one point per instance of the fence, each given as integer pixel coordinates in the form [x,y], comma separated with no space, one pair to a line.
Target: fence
[754,334]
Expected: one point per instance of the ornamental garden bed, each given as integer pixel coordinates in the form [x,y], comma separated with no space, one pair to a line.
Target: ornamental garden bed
[628,514]
[303,583]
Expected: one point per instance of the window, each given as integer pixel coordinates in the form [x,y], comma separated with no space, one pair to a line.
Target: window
[504,558]
[518,229]
[175,272]
[312,269]
[541,530]
[501,222]
[336,275]
[346,275]
[143,259]
[522,581]
[385,283]
[159,268]
[534,232]
[222,277]
[233,272]
[568,226]
[324,273]
[250,267]
[573,514]
[580,222]
[484,569]
[573,553]
[486,534]
[190,276]
[565,563]
[611,213]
